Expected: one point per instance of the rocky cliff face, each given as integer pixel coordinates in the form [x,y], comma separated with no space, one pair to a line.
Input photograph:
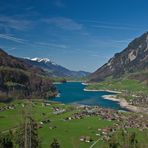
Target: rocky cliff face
[21,80]
[132,59]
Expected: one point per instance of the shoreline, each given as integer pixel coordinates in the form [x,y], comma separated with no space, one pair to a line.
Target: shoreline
[83,83]
[73,81]
[113,97]
[95,90]
[57,82]
[123,103]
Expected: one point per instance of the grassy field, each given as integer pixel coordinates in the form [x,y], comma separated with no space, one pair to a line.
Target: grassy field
[129,88]
[120,85]
[67,133]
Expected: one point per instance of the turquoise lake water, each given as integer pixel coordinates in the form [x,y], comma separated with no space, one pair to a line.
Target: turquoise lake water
[73,93]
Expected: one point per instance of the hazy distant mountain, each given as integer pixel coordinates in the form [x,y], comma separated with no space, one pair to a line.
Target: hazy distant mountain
[19,79]
[54,69]
[132,61]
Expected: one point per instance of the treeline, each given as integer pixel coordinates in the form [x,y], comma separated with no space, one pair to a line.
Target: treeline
[16,83]
[125,139]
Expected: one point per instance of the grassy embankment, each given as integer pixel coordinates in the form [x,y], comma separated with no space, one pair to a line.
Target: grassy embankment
[129,88]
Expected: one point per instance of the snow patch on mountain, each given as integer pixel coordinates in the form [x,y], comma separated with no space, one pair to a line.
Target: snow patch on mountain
[41,59]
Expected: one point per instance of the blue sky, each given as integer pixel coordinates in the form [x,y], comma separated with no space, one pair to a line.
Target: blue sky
[78,34]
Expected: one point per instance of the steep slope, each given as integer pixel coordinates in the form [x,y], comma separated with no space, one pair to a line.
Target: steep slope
[132,61]
[54,69]
[21,80]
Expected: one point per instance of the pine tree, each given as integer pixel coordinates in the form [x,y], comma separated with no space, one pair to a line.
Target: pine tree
[133,143]
[6,140]
[55,144]
[113,143]
[27,135]
[127,140]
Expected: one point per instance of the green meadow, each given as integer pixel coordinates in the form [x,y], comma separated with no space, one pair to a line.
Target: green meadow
[120,85]
[67,133]
[128,87]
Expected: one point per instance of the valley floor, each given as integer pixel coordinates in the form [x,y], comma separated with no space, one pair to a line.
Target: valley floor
[73,126]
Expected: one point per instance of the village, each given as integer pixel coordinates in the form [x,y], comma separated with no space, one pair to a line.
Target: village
[140,101]
[123,120]
[51,114]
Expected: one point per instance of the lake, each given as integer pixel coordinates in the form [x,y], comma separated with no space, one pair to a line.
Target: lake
[73,93]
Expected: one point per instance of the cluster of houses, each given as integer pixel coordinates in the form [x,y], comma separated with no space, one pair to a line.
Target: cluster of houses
[129,120]
[140,101]
[58,110]
[135,121]
[97,111]
[45,121]
[105,133]
[46,104]
[75,116]
[86,139]
[125,121]
[7,107]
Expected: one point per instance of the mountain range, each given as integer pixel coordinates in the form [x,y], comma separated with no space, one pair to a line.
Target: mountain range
[54,69]
[132,63]
[31,78]
[19,79]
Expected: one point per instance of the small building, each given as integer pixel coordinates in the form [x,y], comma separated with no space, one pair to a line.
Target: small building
[82,138]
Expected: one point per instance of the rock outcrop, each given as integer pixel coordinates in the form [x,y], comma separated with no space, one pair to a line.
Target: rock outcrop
[133,59]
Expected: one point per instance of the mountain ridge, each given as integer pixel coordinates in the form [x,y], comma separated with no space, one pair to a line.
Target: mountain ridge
[54,69]
[132,59]
[21,80]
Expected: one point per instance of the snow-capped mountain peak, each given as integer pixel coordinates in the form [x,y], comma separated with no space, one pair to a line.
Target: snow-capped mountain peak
[45,60]
[54,69]
[41,60]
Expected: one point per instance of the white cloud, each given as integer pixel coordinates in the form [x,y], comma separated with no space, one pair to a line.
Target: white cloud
[11,38]
[64,23]
[12,49]
[7,22]
[51,45]
[35,44]
[113,27]
[110,25]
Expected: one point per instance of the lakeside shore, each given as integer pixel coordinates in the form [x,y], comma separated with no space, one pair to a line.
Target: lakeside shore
[113,97]
[83,83]
[123,103]
[111,91]
[57,82]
